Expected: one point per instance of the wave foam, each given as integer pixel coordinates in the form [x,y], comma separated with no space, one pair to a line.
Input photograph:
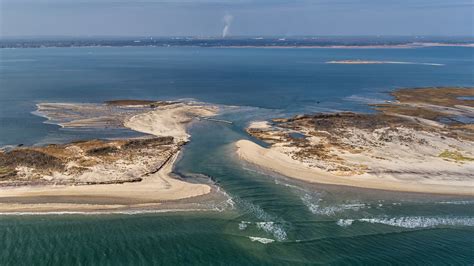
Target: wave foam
[273,228]
[243,225]
[413,221]
[457,202]
[267,225]
[261,239]
[316,208]
[129,212]
[344,222]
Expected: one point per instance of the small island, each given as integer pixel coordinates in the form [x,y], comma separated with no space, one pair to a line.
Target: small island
[113,175]
[376,62]
[421,142]
[358,62]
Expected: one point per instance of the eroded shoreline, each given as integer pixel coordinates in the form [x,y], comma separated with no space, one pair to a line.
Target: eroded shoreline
[417,144]
[106,175]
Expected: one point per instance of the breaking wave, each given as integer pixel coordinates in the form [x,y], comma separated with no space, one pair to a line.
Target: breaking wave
[273,228]
[127,212]
[315,207]
[344,222]
[261,240]
[268,225]
[243,225]
[413,221]
[457,202]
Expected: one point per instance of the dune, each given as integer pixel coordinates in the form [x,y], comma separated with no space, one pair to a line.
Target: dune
[422,142]
[276,161]
[155,190]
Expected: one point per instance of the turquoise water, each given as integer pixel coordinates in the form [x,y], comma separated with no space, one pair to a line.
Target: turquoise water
[307,224]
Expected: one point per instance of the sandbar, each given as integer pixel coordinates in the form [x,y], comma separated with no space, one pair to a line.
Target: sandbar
[106,176]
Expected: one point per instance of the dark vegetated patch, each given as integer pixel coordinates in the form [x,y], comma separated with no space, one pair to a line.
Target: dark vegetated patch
[31,158]
[141,143]
[7,172]
[129,102]
[102,150]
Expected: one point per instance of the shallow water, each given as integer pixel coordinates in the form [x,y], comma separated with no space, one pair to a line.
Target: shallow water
[274,220]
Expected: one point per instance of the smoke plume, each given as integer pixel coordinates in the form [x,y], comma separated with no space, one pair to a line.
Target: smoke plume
[227,22]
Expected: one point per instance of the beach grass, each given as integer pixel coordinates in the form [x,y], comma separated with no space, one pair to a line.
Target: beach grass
[6,172]
[454,155]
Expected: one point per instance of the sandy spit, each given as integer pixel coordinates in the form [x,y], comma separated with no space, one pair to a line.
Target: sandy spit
[273,160]
[155,189]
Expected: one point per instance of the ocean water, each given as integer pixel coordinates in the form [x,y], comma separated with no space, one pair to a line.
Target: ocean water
[274,220]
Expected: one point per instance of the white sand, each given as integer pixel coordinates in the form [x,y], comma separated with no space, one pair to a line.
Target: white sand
[368,62]
[169,120]
[153,190]
[259,125]
[275,160]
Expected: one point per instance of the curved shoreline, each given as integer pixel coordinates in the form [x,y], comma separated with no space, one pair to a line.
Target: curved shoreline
[152,193]
[157,191]
[278,162]
[418,143]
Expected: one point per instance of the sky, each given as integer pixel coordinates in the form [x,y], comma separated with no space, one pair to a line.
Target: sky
[235,17]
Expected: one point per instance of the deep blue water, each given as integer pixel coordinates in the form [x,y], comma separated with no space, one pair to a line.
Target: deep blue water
[293,80]
[309,224]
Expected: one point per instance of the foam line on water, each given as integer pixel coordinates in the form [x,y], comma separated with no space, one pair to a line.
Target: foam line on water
[268,224]
[315,207]
[261,239]
[130,212]
[344,222]
[413,221]
[243,225]
[273,228]
[456,202]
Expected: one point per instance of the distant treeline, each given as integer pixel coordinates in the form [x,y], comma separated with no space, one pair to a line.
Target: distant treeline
[229,42]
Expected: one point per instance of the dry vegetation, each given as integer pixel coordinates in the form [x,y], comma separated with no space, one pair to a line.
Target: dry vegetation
[73,163]
[421,120]
[151,104]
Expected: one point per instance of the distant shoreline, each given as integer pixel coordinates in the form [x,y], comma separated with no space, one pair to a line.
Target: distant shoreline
[373,62]
[266,43]
[470,45]
[401,46]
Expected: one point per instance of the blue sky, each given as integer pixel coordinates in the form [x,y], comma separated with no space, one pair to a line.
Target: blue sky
[242,17]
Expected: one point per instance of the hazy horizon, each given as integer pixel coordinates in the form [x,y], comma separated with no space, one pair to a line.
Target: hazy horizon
[224,18]
[236,36]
